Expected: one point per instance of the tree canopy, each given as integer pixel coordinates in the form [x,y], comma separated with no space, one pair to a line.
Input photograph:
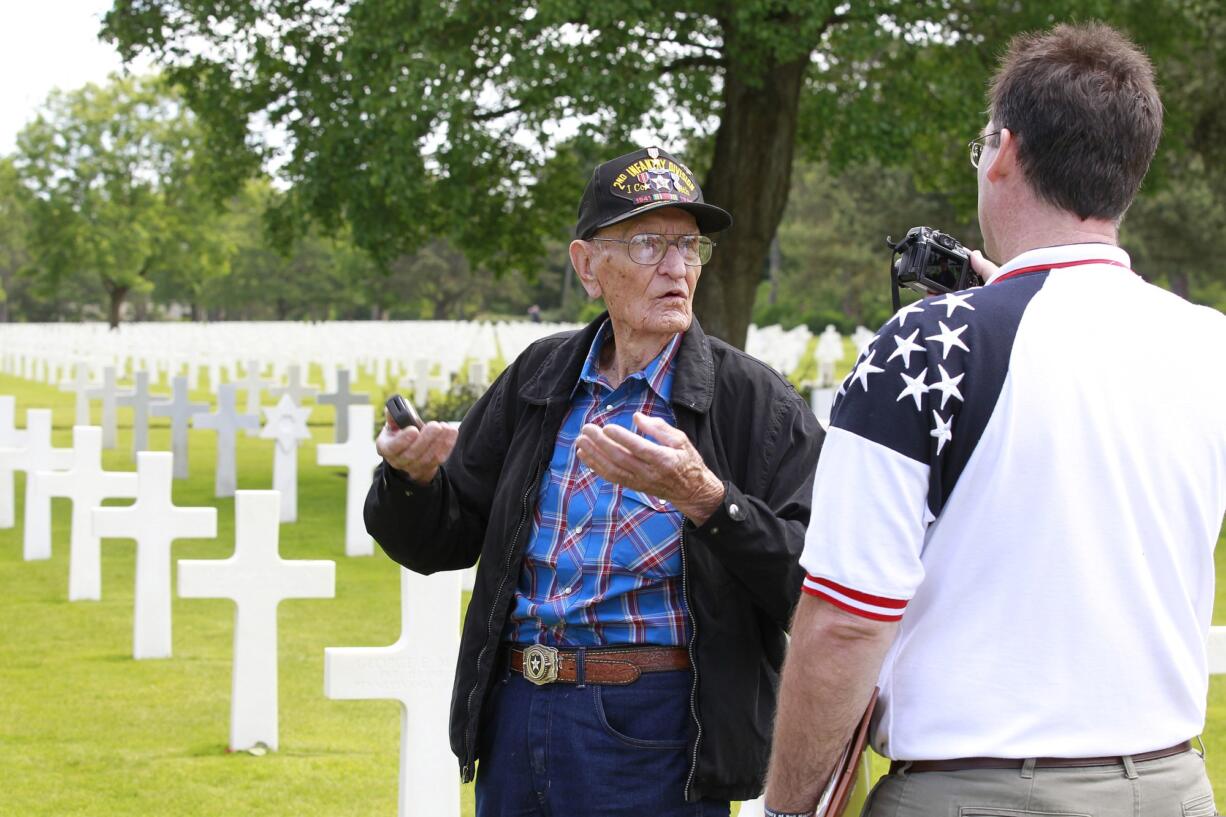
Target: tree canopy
[409,120]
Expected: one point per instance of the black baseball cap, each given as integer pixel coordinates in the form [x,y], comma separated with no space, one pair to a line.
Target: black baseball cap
[640,182]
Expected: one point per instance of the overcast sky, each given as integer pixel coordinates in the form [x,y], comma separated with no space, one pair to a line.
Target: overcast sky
[47,44]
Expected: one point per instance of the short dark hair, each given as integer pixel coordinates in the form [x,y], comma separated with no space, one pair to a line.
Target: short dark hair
[1082,102]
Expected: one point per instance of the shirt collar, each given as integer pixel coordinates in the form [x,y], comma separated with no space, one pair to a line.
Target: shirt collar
[658,374]
[1065,255]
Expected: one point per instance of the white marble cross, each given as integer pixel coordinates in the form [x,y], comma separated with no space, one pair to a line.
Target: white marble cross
[252,384]
[139,400]
[257,579]
[1217,650]
[180,410]
[359,456]
[39,456]
[154,522]
[296,389]
[86,484]
[418,671]
[12,458]
[422,381]
[109,394]
[80,384]
[287,424]
[226,422]
[341,399]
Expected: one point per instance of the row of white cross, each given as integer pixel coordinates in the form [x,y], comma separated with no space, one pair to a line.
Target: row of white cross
[417,670]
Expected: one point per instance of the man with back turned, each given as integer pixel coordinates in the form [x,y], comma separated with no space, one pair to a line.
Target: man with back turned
[1012,533]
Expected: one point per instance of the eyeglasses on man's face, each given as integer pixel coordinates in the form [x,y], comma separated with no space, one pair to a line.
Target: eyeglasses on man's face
[977,145]
[650,248]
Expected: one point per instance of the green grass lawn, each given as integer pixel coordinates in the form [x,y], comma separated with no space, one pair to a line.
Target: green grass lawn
[85,730]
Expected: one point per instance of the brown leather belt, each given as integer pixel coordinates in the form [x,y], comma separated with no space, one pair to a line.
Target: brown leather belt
[961,764]
[606,665]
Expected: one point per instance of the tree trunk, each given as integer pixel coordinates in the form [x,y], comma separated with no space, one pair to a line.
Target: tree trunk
[117,295]
[750,175]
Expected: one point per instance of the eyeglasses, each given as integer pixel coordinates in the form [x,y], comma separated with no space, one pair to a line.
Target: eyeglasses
[977,145]
[650,248]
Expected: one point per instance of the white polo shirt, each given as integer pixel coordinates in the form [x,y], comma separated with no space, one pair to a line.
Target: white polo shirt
[1031,475]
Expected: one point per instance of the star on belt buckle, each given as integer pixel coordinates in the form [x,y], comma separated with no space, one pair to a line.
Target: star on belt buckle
[541,664]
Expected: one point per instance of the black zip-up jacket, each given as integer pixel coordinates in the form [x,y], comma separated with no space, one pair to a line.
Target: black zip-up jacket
[741,575]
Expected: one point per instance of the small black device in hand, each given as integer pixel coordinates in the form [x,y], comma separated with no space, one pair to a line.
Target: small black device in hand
[929,261]
[403,413]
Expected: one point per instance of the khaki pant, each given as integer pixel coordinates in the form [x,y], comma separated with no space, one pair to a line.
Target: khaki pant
[1169,787]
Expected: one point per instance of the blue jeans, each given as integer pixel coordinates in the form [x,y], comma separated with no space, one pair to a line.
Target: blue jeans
[563,750]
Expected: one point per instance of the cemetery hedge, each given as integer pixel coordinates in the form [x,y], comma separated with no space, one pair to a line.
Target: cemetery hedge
[85,730]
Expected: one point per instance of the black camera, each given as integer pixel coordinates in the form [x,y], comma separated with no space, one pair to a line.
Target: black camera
[929,262]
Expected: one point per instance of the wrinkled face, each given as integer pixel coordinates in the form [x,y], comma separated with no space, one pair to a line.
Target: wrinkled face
[650,298]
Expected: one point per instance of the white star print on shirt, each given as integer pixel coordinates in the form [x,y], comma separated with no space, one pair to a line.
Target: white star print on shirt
[952,301]
[909,309]
[947,386]
[942,431]
[905,346]
[915,387]
[949,338]
[864,369]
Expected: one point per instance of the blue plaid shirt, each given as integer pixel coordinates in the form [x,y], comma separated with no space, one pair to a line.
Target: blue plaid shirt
[603,564]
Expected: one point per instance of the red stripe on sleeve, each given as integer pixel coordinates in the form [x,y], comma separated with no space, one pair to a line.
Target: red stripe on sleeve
[876,601]
[842,605]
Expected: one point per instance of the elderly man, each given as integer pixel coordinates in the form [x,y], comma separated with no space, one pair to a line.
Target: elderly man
[1003,514]
[637,494]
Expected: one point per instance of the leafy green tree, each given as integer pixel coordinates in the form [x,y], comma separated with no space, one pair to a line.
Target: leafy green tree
[111,169]
[410,120]
[14,222]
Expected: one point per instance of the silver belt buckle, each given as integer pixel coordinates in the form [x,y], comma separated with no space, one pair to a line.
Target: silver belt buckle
[541,664]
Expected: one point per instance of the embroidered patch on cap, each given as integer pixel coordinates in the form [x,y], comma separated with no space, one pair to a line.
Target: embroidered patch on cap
[653,179]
